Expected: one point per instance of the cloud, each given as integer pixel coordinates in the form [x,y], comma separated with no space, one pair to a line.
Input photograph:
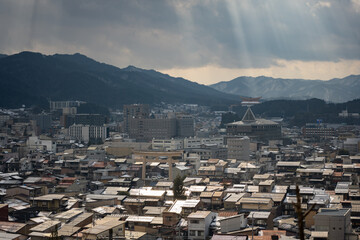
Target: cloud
[180,34]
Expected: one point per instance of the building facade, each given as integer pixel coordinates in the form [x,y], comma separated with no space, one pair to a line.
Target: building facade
[86,133]
[238,148]
[254,128]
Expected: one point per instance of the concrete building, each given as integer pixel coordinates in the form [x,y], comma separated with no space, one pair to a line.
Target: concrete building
[199,223]
[334,221]
[184,126]
[42,123]
[4,118]
[147,129]
[57,105]
[83,119]
[88,133]
[233,223]
[37,143]
[319,130]
[352,145]
[167,144]
[140,125]
[135,111]
[238,148]
[197,142]
[208,152]
[193,159]
[254,128]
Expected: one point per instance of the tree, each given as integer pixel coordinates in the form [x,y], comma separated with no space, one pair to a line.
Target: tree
[343,152]
[178,188]
[300,214]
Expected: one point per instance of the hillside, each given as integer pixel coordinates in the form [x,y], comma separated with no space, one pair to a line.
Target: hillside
[335,90]
[33,78]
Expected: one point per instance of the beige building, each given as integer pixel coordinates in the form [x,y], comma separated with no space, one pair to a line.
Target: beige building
[238,148]
[106,228]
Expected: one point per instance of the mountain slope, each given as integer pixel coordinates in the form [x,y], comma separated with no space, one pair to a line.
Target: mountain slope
[335,90]
[32,78]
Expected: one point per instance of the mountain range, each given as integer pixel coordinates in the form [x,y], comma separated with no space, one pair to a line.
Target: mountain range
[334,90]
[32,79]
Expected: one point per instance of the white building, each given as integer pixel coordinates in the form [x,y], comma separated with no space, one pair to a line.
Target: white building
[36,143]
[86,133]
[167,144]
[199,223]
[233,223]
[194,160]
[195,142]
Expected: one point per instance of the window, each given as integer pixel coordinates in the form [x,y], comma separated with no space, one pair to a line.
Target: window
[194,221]
[192,233]
[200,233]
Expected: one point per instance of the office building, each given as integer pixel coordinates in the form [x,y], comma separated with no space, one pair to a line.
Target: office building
[238,148]
[141,111]
[254,128]
[87,133]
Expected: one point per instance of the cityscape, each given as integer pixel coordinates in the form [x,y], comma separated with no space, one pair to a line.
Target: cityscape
[235,124]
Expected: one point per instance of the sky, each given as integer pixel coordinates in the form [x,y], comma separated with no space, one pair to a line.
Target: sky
[205,41]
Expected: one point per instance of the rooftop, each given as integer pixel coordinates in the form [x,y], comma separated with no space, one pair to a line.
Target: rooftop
[199,214]
[332,212]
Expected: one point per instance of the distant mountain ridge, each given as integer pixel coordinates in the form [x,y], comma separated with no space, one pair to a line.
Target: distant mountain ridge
[334,90]
[33,78]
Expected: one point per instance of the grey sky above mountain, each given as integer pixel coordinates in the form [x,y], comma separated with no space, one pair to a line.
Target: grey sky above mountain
[204,41]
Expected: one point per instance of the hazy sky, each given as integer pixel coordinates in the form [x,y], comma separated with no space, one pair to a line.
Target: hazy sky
[205,41]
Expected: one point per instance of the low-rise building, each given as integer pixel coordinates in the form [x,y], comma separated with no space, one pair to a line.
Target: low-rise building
[199,223]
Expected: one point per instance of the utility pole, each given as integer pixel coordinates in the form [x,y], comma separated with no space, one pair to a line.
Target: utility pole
[252,226]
